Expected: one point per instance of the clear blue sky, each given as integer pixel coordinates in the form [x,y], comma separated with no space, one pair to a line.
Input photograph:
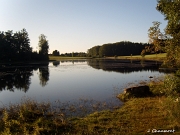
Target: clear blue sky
[77,25]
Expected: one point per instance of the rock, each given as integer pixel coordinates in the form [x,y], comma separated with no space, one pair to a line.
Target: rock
[135,92]
[139,91]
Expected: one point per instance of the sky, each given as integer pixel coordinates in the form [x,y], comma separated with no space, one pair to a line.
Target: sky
[77,25]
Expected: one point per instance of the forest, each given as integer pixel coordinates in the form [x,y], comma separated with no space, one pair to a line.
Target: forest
[123,48]
[16,47]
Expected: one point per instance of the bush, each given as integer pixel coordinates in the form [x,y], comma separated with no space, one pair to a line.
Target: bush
[171,85]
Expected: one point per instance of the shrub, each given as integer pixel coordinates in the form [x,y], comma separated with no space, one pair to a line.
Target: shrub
[171,85]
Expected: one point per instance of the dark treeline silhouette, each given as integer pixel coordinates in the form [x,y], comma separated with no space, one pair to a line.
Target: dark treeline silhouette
[74,54]
[18,76]
[124,66]
[16,47]
[124,48]
[55,53]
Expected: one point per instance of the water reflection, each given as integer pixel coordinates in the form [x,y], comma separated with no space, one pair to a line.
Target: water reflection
[19,77]
[73,61]
[56,63]
[124,66]
[43,75]
[15,78]
[65,81]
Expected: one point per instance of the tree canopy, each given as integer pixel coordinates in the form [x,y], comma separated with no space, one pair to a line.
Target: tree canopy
[16,47]
[55,53]
[74,54]
[123,48]
[156,39]
[43,47]
[171,11]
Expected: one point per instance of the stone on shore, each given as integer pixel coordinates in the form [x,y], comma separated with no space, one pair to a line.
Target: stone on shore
[135,92]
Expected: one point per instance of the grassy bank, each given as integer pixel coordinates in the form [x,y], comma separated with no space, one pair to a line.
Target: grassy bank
[159,57]
[66,58]
[136,116]
[139,57]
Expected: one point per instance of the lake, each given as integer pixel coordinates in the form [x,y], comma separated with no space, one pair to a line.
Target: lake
[69,81]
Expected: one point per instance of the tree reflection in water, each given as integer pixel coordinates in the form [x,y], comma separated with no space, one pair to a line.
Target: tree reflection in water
[124,66]
[18,76]
[56,63]
[43,75]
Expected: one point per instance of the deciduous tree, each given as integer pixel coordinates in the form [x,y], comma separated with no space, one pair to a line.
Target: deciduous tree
[156,39]
[171,11]
[43,47]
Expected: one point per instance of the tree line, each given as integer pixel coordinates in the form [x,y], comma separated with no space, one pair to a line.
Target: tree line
[123,48]
[16,47]
[73,54]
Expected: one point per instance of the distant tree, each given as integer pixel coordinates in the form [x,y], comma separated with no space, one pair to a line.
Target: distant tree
[55,53]
[81,54]
[94,51]
[43,47]
[72,54]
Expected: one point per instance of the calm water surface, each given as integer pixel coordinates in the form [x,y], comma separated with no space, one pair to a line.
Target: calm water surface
[68,81]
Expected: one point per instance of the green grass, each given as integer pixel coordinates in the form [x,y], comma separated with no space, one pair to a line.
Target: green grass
[66,58]
[160,56]
[151,57]
[137,116]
